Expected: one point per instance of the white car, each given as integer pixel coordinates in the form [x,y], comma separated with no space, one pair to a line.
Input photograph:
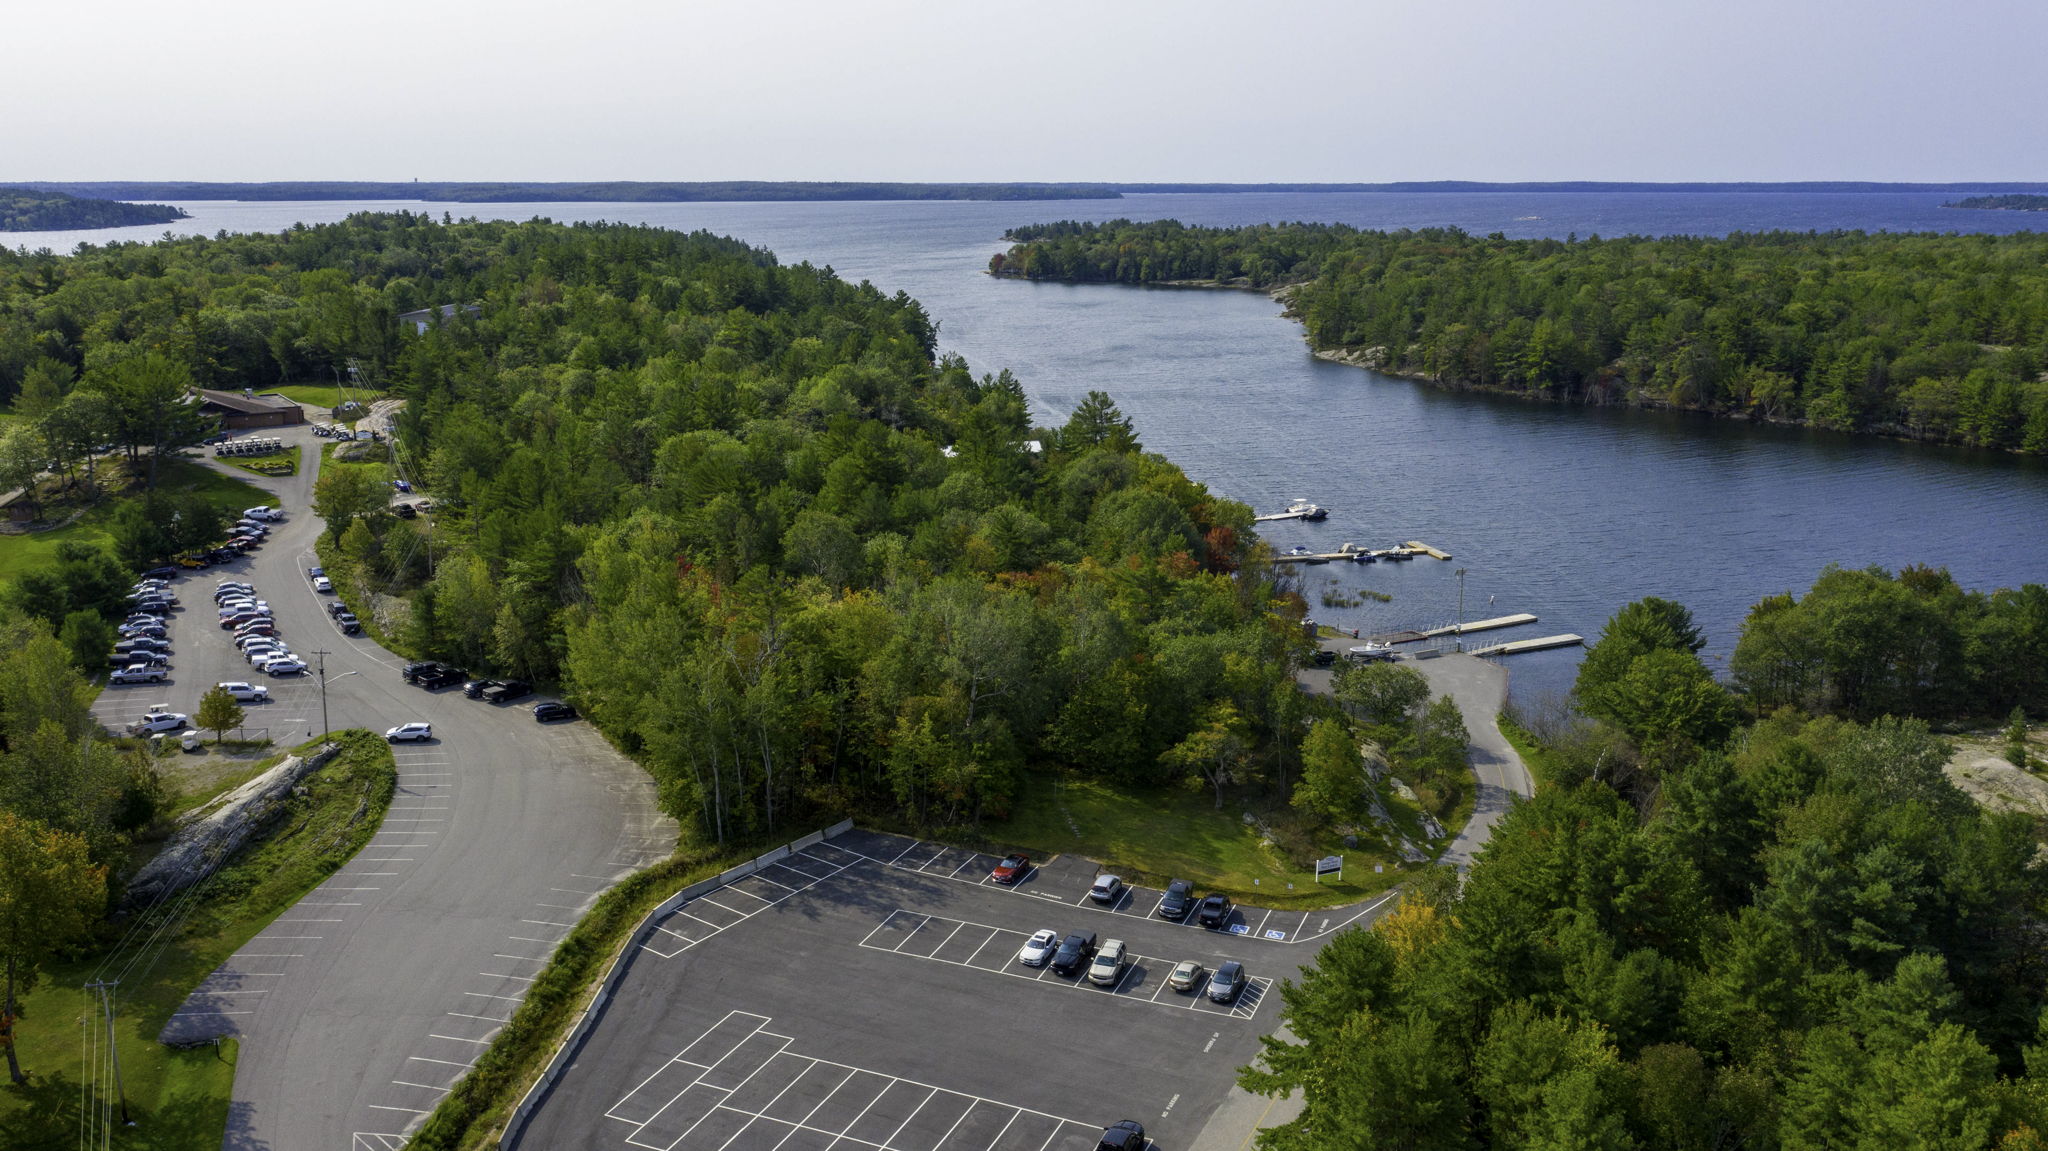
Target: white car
[245,692]
[261,513]
[1039,948]
[259,653]
[137,673]
[285,666]
[159,721]
[410,731]
[322,583]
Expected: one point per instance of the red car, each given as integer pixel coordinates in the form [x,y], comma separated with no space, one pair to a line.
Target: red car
[1011,869]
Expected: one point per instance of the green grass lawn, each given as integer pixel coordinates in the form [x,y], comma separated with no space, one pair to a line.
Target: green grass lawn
[179,1099]
[324,397]
[21,552]
[1152,835]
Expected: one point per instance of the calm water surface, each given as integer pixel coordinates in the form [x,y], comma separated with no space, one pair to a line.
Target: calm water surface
[1566,513]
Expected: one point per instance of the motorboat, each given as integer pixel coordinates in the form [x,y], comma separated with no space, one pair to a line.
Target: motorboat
[1304,510]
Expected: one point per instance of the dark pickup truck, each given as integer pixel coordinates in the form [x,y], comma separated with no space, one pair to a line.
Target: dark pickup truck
[507,691]
[1074,953]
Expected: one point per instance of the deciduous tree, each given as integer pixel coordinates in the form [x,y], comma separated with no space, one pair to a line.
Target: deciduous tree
[50,894]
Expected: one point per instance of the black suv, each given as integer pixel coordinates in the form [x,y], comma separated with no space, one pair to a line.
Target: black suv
[1215,911]
[1178,900]
[476,688]
[507,690]
[1074,953]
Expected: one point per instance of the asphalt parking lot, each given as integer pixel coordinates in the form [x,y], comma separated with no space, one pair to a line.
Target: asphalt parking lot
[866,993]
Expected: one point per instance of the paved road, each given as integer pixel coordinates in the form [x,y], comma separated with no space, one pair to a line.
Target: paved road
[1481,689]
[358,1008]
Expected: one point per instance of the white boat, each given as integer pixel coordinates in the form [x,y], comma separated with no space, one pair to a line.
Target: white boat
[1304,510]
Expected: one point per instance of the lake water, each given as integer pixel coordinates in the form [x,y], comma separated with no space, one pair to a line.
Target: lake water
[1564,512]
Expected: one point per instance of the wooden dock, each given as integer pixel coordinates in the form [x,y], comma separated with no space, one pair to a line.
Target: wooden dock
[1425,549]
[1266,519]
[1480,625]
[1517,647]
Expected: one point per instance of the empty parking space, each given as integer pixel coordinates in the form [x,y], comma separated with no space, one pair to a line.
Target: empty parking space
[763,1094]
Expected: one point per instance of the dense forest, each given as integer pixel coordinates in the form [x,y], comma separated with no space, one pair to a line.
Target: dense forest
[1935,337]
[761,536]
[33,210]
[597,191]
[1709,930]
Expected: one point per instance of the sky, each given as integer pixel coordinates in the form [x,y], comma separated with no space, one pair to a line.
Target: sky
[986,90]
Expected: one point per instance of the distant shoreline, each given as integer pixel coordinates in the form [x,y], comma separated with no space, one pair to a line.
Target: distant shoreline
[646,191]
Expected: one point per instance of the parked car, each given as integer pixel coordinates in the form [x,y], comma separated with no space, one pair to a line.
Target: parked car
[1215,911]
[158,721]
[412,672]
[222,555]
[1108,965]
[153,608]
[161,573]
[1012,868]
[1123,1135]
[1074,952]
[1187,975]
[1227,983]
[247,615]
[137,673]
[322,583]
[1178,900]
[349,625]
[1107,889]
[476,688]
[337,608]
[547,712]
[245,692]
[121,659]
[404,511]
[315,572]
[262,512]
[410,732]
[1039,948]
[284,667]
[507,691]
[142,643]
[151,627]
[446,677]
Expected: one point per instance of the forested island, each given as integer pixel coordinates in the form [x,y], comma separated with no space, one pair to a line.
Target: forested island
[2012,202]
[34,210]
[601,191]
[1933,337]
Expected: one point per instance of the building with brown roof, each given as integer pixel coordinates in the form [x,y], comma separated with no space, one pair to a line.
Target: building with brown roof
[247,409]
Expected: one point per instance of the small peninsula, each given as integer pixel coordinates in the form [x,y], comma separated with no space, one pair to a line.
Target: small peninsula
[1882,334]
[2010,202]
[31,210]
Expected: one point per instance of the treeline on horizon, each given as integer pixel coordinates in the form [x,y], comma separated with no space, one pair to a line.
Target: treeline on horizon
[1933,337]
[604,191]
[40,210]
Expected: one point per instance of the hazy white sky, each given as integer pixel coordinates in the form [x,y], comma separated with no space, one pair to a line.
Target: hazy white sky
[1320,90]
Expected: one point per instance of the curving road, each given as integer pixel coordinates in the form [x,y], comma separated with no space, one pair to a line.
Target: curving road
[361,1006]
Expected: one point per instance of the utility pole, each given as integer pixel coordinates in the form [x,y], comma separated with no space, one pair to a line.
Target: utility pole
[322,657]
[1461,609]
[105,992]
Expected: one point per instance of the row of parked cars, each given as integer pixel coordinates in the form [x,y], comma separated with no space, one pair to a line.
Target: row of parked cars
[1077,953]
[142,644]
[255,629]
[434,675]
[246,536]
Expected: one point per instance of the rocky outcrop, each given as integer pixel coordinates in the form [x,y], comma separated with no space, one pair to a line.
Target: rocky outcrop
[208,836]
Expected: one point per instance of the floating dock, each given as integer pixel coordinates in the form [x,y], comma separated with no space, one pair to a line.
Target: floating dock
[1479,625]
[1312,516]
[1351,553]
[1517,647]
